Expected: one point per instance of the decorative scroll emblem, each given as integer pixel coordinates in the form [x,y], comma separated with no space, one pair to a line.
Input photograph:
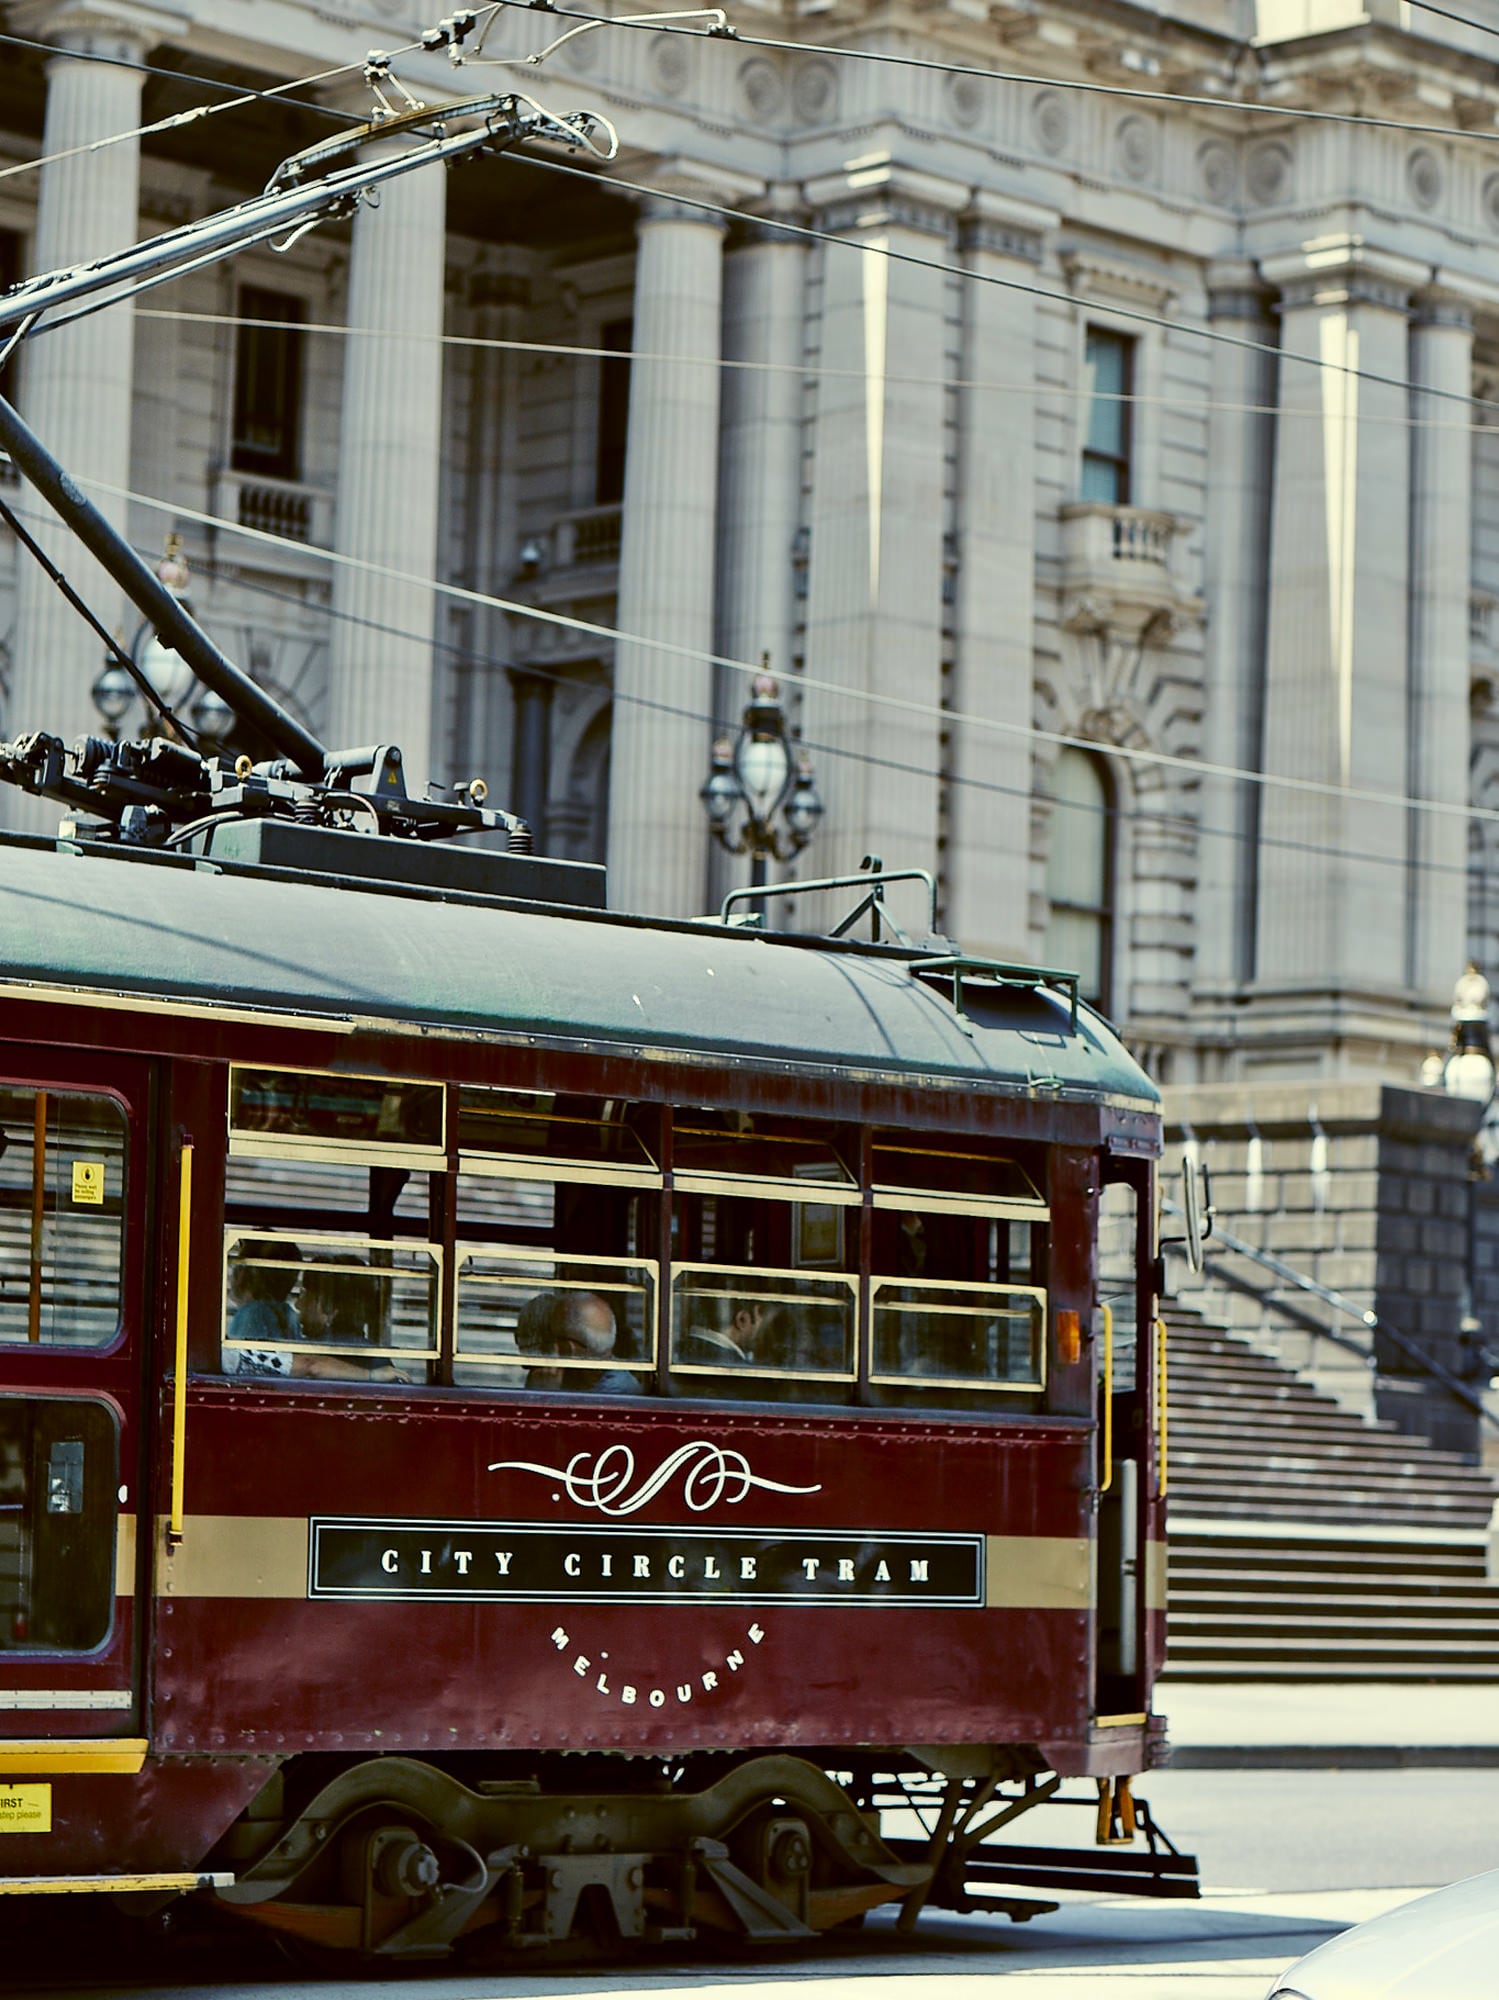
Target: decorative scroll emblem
[710,1473]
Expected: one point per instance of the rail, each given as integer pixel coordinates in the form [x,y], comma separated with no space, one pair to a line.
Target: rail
[1366,1318]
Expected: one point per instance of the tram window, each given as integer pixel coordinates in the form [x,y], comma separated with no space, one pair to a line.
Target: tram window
[713,1149]
[62,1197]
[58,1477]
[505,1131]
[328,1307]
[556,1285]
[299,1193]
[299,1114]
[957,1301]
[931,1171]
[762,1287]
[1118,1276]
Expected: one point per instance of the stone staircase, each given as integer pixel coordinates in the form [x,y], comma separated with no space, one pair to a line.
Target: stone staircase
[1311,1544]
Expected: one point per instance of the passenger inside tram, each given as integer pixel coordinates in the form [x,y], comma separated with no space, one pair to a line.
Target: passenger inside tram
[573,1326]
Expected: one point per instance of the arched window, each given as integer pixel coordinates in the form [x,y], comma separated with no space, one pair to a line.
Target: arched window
[1080,873]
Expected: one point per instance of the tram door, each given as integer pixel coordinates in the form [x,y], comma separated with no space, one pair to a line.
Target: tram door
[1123,1267]
[73,1264]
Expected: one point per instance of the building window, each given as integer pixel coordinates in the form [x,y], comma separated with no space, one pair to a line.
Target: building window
[1080,874]
[1108,384]
[268,386]
[614,411]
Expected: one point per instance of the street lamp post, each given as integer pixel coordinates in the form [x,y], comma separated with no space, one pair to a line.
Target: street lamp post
[760,794]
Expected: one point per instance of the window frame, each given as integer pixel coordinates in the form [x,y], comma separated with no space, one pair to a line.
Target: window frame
[1105,913]
[1120,463]
[286,345]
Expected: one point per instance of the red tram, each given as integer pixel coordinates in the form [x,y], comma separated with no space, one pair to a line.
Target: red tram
[519,1422]
[742,1414]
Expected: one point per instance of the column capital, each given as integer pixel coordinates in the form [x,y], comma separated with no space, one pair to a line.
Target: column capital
[879,193]
[675,183]
[97,27]
[1439,306]
[1236,291]
[780,203]
[1344,271]
[1002,226]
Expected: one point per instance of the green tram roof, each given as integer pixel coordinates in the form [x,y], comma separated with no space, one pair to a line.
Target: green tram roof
[315,948]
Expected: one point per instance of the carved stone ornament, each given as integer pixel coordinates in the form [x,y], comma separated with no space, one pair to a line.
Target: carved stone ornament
[966,101]
[1217,172]
[1135,148]
[814,93]
[1423,178]
[582,52]
[760,89]
[1051,121]
[671,64]
[1267,173]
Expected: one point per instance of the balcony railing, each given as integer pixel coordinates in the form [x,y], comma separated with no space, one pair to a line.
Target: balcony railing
[591,535]
[1095,533]
[1119,567]
[286,508]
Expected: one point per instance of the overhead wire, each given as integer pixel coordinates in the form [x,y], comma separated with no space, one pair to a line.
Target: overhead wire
[944,268]
[467,660]
[1196,768]
[900,59]
[818,371]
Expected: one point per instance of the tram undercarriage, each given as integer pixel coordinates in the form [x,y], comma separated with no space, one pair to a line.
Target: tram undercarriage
[396,1858]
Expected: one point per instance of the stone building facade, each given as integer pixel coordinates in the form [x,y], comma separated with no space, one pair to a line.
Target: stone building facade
[991,489]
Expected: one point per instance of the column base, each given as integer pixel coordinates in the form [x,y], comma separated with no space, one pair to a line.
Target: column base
[1270,1032]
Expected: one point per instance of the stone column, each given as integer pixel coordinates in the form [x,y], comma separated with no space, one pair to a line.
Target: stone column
[75,385]
[1240,450]
[499,296]
[659,754]
[988,854]
[878,511]
[531,749]
[1333,870]
[1441,558]
[760,469]
[389,453]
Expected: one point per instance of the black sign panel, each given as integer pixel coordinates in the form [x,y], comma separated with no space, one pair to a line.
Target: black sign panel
[505,1562]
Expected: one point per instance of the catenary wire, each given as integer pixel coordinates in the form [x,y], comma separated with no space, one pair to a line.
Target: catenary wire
[468,662]
[1195,767]
[943,268]
[816,371]
[899,60]
[178,118]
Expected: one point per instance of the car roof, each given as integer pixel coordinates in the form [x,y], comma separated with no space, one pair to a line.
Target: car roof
[1442,1946]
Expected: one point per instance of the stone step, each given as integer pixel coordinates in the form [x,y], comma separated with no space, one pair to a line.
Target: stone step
[1246,1668]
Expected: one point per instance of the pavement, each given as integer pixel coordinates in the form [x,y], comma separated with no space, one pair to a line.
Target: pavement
[1374,1725]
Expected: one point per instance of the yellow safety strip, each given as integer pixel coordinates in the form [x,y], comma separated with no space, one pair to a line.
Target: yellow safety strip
[59,1754]
[1121,1721]
[1155,1576]
[100,1885]
[1162,1479]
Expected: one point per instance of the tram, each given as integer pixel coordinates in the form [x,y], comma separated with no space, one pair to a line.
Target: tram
[521,1423]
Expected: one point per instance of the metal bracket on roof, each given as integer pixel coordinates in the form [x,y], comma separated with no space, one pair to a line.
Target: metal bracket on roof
[873,876]
[999,973]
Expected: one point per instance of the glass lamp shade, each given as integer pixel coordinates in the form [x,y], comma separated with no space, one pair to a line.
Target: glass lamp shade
[720,792]
[213,718]
[804,808]
[113,692]
[762,765]
[166,670]
[1469,1073]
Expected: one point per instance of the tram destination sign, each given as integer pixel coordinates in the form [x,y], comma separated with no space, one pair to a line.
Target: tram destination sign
[514,1563]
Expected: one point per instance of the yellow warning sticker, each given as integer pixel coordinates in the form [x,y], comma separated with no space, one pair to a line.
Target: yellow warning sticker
[25,1808]
[88,1182]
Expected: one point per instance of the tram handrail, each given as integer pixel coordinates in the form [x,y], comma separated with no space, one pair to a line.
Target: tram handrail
[179,1381]
[1108,1400]
[1365,1316]
[1162,1419]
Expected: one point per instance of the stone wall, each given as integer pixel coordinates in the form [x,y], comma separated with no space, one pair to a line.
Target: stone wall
[1365,1189]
